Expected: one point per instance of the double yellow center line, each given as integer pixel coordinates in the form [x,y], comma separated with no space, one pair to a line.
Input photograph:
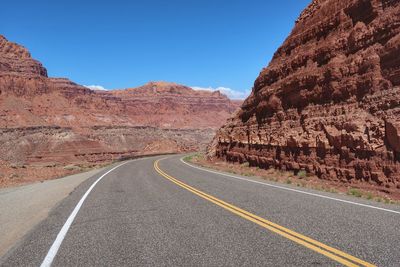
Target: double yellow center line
[312,244]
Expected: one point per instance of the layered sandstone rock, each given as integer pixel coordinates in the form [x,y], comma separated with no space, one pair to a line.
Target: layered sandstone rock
[48,124]
[329,101]
[15,59]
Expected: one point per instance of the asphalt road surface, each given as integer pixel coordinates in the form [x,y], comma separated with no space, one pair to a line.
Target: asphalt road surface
[160,211]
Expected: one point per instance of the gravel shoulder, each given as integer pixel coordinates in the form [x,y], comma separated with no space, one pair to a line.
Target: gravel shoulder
[23,207]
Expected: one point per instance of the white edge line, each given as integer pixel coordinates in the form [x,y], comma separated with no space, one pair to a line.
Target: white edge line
[291,189]
[61,235]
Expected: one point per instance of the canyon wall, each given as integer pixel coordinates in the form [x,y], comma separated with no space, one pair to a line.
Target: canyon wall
[53,126]
[329,101]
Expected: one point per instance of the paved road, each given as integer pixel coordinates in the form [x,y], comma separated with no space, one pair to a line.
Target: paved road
[171,214]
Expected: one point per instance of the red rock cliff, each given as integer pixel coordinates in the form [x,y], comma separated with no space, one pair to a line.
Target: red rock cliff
[329,101]
[29,98]
[47,124]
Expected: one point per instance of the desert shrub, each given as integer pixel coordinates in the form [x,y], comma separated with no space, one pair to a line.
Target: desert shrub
[245,164]
[302,174]
[72,167]
[355,192]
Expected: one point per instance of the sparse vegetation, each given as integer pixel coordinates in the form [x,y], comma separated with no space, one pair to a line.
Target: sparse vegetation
[193,157]
[188,158]
[245,164]
[301,179]
[355,192]
[302,174]
[370,196]
[72,167]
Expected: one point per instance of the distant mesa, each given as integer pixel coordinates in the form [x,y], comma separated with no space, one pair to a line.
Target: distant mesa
[232,94]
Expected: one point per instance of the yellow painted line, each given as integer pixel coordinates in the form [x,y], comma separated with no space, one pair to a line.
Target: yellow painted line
[330,252]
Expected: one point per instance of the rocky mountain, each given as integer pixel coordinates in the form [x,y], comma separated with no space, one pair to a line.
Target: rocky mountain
[329,101]
[52,126]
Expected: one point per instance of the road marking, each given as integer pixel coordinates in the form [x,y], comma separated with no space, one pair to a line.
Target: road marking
[61,235]
[330,252]
[293,190]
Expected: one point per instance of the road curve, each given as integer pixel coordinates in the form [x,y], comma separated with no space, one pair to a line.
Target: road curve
[160,211]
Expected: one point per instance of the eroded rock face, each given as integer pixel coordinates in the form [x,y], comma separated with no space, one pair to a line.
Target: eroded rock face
[17,59]
[29,98]
[329,101]
[49,123]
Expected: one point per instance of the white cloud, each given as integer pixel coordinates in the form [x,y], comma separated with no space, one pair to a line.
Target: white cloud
[232,94]
[96,87]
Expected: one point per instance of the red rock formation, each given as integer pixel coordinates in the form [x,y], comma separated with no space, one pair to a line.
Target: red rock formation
[48,123]
[15,59]
[169,105]
[30,98]
[329,101]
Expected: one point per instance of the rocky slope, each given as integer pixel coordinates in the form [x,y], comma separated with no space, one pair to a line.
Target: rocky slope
[52,126]
[329,101]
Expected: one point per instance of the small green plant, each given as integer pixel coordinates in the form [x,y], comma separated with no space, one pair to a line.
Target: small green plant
[288,181]
[188,158]
[192,157]
[355,192]
[369,195]
[302,174]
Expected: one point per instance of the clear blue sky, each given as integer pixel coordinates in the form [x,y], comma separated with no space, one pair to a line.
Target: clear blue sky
[119,44]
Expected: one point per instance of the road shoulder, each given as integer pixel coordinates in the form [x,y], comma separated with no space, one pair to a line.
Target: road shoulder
[23,207]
